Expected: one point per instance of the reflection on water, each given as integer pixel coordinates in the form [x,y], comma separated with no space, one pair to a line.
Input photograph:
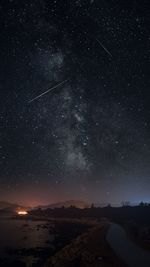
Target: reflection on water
[23,234]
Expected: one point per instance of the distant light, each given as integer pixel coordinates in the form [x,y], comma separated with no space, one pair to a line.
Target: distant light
[22,212]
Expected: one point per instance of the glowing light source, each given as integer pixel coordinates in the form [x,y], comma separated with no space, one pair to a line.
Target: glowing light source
[22,212]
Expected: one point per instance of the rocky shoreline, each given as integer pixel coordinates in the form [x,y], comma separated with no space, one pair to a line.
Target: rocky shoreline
[87,250]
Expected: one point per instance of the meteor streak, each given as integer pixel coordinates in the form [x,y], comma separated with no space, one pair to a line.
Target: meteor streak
[106,50]
[49,90]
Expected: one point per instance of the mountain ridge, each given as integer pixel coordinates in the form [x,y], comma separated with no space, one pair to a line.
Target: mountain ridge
[68,203]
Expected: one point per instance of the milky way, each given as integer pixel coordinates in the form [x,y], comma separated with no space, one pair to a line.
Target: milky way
[89,137]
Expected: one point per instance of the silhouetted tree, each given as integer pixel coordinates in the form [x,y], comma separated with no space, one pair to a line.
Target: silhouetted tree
[125,203]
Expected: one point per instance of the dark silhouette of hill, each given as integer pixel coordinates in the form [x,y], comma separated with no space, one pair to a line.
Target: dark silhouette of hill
[66,204]
[11,207]
[139,214]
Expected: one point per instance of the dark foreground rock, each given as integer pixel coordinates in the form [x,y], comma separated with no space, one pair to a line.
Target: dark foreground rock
[88,250]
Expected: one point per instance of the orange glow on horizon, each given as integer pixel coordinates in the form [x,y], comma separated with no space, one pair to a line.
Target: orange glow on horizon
[22,212]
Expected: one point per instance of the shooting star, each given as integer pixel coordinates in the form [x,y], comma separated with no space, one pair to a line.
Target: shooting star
[49,90]
[106,50]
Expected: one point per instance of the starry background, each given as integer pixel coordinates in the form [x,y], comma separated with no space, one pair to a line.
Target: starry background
[90,137]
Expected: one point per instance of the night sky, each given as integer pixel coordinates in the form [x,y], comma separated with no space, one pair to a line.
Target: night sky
[89,138]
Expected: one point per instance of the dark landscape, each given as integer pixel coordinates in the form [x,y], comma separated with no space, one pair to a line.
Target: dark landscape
[75,133]
[73,236]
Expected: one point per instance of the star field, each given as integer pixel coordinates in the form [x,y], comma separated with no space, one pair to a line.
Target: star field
[89,137]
